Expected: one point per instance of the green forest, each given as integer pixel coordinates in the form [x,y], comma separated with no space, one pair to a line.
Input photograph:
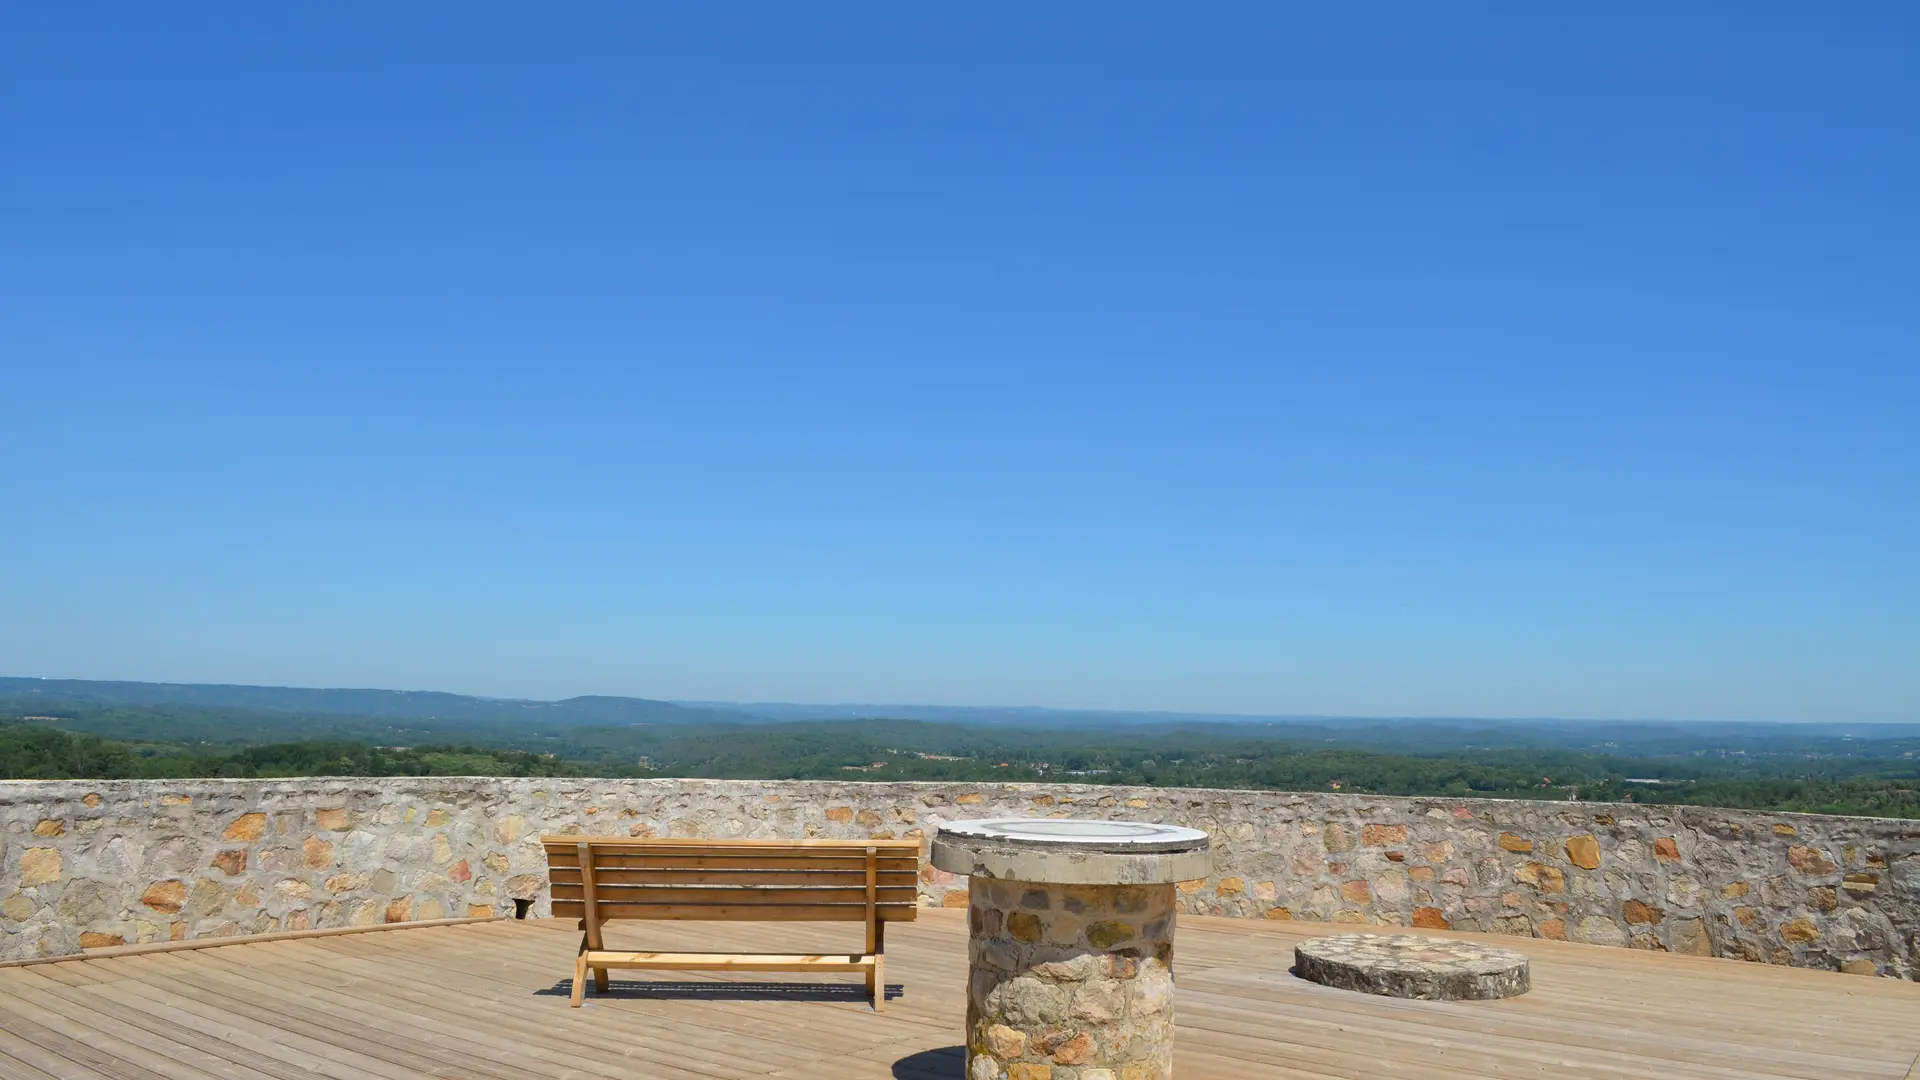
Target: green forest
[1794,770]
[45,753]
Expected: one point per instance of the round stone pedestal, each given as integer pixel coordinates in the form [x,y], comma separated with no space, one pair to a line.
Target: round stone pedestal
[1071,949]
[1411,966]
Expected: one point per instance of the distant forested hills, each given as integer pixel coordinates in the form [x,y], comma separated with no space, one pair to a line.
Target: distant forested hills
[406,706]
[77,730]
[38,752]
[339,711]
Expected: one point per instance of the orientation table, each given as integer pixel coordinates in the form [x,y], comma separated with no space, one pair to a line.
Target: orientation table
[1071,942]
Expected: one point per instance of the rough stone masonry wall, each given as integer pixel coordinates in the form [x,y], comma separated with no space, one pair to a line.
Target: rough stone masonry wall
[1075,975]
[93,863]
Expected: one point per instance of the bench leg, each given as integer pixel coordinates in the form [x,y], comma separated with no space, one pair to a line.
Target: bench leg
[600,979]
[579,977]
[877,974]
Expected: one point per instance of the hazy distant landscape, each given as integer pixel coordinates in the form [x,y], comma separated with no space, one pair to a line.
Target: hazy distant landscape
[75,728]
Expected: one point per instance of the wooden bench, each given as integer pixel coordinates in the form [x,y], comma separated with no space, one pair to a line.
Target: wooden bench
[604,878]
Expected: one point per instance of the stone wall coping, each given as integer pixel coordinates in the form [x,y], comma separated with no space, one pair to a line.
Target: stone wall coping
[51,788]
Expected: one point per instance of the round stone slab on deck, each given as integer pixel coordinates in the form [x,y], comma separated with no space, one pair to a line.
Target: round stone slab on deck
[1412,966]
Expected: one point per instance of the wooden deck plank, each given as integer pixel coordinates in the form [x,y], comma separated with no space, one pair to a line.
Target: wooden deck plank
[57,1054]
[20,1057]
[486,1001]
[526,1039]
[58,1001]
[304,1010]
[1577,1013]
[12,1068]
[127,1048]
[1652,1041]
[696,1021]
[625,1035]
[179,1040]
[337,1059]
[1649,1021]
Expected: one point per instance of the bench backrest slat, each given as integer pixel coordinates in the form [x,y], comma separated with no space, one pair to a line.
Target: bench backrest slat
[599,878]
[603,877]
[708,894]
[610,860]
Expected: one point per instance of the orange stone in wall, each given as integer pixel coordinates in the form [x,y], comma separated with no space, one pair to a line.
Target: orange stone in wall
[248,827]
[1584,851]
[1548,879]
[1809,860]
[1383,835]
[165,896]
[1638,913]
[39,866]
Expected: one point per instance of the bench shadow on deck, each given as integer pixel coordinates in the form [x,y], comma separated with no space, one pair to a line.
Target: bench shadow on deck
[488,1001]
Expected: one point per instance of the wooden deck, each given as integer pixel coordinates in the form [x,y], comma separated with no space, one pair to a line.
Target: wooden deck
[489,1000]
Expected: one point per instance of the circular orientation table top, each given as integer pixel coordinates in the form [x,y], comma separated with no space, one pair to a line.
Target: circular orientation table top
[1088,833]
[1412,966]
[1073,851]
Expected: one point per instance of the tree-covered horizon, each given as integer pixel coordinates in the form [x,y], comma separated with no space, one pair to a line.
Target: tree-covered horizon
[1841,776]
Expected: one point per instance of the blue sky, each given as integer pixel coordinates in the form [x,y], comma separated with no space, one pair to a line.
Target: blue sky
[1478,361]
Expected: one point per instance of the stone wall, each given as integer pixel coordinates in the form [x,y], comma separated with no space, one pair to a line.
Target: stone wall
[93,863]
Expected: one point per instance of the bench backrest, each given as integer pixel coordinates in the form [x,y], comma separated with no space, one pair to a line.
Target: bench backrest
[757,880]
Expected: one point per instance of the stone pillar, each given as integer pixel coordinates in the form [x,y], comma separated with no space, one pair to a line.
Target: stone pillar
[1071,951]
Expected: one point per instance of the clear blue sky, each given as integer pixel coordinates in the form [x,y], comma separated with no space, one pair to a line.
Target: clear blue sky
[1486,360]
